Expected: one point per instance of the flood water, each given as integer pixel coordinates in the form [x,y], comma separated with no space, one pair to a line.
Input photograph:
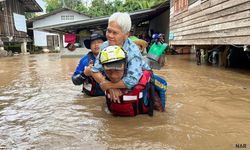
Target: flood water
[208,108]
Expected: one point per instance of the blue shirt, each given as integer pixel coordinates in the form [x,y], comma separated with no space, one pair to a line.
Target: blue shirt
[81,67]
[83,63]
[136,63]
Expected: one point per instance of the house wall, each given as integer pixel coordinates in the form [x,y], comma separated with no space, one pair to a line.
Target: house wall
[56,19]
[40,37]
[211,22]
[161,24]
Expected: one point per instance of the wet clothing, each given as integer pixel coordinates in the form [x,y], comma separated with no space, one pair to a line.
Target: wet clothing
[79,78]
[148,94]
[136,64]
[84,62]
[139,100]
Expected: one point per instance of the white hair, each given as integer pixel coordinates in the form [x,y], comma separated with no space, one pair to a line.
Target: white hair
[122,19]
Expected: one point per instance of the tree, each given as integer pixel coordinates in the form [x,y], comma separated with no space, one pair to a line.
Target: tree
[77,5]
[130,6]
[81,8]
[101,7]
[147,4]
[29,15]
[52,5]
[134,5]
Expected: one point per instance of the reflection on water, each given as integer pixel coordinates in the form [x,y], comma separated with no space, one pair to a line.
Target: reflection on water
[207,108]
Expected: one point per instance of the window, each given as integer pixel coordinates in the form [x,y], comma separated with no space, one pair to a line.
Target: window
[190,2]
[180,5]
[62,17]
[67,17]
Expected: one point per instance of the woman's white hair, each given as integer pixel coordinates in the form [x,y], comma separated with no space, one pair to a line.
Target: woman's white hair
[122,19]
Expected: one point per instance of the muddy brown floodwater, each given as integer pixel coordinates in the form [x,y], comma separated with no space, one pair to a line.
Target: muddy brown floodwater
[208,108]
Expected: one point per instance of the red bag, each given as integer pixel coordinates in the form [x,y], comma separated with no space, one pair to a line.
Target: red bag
[132,103]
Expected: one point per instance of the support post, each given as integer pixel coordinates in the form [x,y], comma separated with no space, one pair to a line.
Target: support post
[1,44]
[24,47]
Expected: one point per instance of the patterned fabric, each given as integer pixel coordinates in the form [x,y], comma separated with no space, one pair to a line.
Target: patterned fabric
[135,63]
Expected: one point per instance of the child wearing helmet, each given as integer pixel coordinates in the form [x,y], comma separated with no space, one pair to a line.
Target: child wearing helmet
[114,61]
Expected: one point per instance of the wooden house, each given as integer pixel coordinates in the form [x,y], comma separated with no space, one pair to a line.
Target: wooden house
[202,23]
[13,27]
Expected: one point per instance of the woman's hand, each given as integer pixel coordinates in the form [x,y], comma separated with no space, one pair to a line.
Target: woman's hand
[105,85]
[114,95]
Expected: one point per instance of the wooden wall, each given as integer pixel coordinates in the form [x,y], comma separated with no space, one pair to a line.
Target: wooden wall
[212,22]
[7,27]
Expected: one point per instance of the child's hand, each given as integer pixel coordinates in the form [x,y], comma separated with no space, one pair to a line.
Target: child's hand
[87,70]
[91,62]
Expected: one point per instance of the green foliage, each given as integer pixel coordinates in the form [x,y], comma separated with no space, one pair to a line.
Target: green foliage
[146,4]
[29,15]
[77,5]
[13,47]
[72,4]
[53,5]
[101,7]
[98,8]
[81,8]
[129,6]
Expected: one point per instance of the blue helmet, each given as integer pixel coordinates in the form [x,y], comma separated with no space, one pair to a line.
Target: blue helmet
[155,36]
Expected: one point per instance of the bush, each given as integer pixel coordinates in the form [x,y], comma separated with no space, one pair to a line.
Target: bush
[32,49]
[13,47]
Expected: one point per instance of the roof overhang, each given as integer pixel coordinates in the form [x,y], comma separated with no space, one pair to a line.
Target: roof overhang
[101,22]
[31,6]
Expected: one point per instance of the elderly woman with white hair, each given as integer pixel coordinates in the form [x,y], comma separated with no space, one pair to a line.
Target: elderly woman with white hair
[119,26]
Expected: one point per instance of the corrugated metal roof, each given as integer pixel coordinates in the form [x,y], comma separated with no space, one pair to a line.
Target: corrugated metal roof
[31,6]
[137,17]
